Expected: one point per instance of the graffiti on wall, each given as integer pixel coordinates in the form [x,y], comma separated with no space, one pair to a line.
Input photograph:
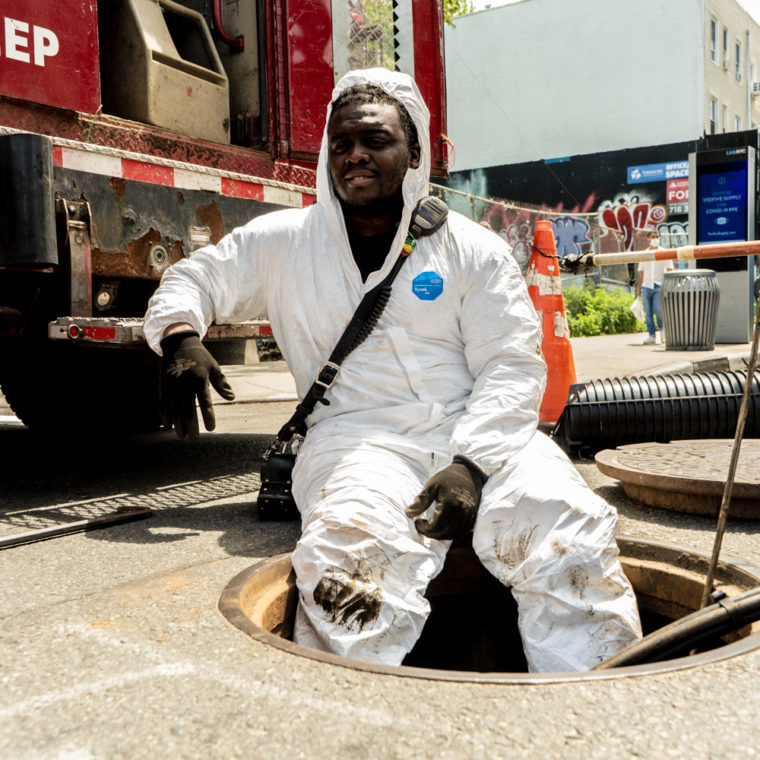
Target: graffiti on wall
[579,208]
[570,233]
[515,226]
[618,224]
[673,234]
[626,213]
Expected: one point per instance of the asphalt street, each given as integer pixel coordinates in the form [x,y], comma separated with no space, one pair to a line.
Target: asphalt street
[112,645]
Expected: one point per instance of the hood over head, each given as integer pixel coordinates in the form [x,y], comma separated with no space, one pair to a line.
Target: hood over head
[416,182]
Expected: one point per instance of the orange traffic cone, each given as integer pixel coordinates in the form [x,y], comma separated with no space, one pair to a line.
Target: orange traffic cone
[545,289]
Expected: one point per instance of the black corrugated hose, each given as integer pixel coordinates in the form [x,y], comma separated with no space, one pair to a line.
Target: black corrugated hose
[604,414]
[681,636]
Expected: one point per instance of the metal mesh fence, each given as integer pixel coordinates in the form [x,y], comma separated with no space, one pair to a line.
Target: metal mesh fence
[371,39]
[366,34]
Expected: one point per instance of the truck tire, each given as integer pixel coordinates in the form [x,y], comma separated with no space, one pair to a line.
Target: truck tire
[65,389]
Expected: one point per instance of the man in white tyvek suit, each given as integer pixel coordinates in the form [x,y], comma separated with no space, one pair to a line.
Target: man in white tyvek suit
[439,403]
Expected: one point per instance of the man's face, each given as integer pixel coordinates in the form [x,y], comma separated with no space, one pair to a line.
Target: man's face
[369,155]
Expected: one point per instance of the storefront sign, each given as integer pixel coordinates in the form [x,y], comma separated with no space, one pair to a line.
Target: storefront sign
[657,172]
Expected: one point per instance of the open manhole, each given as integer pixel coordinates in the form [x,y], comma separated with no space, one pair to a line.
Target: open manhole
[471,634]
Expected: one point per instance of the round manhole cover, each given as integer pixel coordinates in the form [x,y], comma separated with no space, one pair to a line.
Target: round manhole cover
[454,646]
[687,476]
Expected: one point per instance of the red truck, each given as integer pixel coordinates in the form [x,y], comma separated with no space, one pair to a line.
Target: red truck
[133,132]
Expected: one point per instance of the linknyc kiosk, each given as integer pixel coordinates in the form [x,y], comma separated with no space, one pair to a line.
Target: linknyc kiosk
[722,185]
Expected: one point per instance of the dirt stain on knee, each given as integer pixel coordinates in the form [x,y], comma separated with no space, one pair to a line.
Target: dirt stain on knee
[517,550]
[578,579]
[349,600]
[560,548]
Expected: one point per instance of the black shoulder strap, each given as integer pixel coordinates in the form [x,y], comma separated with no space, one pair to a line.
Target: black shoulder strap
[428,216]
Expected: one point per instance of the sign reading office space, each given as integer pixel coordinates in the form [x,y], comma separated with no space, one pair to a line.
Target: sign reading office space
[657,172]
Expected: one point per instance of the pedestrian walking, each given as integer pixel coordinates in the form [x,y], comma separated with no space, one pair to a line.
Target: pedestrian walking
[650,278]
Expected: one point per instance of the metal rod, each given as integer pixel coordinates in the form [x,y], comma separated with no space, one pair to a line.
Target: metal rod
[728,488]
[684,253]
[122,515]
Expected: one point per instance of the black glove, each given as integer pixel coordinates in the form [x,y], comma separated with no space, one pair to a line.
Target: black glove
[457,490]
[187,369]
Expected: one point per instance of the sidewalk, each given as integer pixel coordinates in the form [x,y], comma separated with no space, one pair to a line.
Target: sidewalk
[595,358]
[626,356]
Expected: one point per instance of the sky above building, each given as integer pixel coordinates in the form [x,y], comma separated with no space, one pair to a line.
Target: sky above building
[751,6]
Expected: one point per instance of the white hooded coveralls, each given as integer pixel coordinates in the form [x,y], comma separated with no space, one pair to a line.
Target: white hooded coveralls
[453,367]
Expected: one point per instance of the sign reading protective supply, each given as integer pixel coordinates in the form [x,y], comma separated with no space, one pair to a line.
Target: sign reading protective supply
[722,202]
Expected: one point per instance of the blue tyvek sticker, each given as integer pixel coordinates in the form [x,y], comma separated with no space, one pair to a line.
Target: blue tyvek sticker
[427,286]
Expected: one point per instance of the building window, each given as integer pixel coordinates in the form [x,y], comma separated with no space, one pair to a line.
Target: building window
[724,50]
[738,57]
[725,118]
[713,39]
[738,124]
[713,114]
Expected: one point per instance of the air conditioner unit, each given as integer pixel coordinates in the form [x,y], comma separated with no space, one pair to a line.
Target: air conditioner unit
[756,88]
[726,62]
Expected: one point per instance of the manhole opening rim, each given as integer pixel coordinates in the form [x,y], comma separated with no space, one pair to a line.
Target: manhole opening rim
[230,607]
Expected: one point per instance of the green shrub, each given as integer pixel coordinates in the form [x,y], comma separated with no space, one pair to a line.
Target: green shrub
[594,310]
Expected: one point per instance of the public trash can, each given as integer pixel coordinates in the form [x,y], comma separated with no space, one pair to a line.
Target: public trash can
[689,303]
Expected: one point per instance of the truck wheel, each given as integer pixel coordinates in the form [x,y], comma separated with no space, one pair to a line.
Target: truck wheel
[66,388]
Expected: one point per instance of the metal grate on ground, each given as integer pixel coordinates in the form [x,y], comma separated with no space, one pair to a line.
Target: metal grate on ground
[14,521]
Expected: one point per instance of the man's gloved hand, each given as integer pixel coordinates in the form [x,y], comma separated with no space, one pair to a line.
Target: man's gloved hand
[187,369]
[457,490]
